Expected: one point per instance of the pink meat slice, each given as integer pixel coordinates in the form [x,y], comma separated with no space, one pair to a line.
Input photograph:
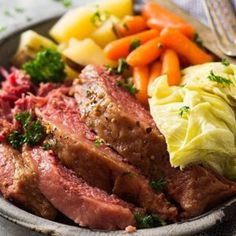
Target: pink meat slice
[87,206]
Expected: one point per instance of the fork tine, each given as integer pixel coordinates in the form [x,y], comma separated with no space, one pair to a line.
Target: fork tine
[226,16]
[223,24]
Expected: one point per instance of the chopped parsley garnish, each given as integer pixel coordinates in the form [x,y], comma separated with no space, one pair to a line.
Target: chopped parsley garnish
[148,221]
[2,29]
[30,132]
[219,79]
[120,69]
[127,85]
[7,13]
[126,26]
[16,139]
[225,62]
[183,110]
[158,185]
[134,44]
[99,17]
[198,40]
[122,66]
[46,67]
[19,9]
[66,3]
[98,142]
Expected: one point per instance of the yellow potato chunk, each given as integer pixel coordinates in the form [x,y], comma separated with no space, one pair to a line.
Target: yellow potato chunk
[81,22]
[105,33]
[30,43]
[84,52]
[118,8]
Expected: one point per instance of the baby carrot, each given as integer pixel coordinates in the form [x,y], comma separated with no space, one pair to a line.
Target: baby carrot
[175,40]
[155,71]
[146,53]
[130,25]
[171,67]
[140,77]
[159,18]
[120,48]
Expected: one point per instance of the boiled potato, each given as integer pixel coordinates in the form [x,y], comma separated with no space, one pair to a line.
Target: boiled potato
[76,23]
[105,33]
[84,52]
[30,43]
[118,8]
[80,22]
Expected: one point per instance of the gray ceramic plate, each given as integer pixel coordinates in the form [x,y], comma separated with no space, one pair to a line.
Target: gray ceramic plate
[8,46]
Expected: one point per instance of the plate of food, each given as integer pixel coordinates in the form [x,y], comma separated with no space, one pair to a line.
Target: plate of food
[116,118]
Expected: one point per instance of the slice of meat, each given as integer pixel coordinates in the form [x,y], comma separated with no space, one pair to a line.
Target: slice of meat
[87,206]
[119,119]
[19,182]
[123,123]
[98,164]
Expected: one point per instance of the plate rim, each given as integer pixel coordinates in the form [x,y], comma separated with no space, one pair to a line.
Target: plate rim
[23,218]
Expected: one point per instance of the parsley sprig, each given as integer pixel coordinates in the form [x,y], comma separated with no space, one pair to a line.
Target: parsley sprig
[98,142]
[30,132]
[225,62]
[120,69]
[128,86]
[134,44]
[158,185]
[219,79]
[148,221]
[183,110]
[46,67]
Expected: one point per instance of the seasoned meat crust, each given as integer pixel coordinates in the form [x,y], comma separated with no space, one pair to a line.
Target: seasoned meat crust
[97,164]
[115,116]
[19,182]
[87,206]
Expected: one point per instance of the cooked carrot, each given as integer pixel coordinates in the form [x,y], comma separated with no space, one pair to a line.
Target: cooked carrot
[155,71]
[120,48]
[130,25]
[140,77]
[171,66]
[146,53]
[175,40]
[159,18]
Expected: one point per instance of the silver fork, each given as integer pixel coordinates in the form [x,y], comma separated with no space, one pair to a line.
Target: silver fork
[222,20]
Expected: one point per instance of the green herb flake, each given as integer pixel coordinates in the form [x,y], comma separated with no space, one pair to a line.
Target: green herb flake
[19,9]
[219,79]
[31,131]
[24,118]
[99,17]
[148,221]
[128,86]
[198,40]
[183,110]
[134,44]
[66,3]
[46,67]
[16,139]
[7,13]
[120,69]
[122,66]
[225,62]
[98,142]
[126,26]
[158,185]
[2,29]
